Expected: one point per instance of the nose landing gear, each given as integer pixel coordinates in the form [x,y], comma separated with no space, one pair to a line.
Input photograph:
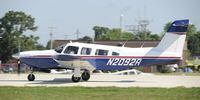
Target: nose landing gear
[31,76]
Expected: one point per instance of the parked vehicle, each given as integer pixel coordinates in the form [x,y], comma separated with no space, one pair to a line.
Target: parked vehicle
[7,69]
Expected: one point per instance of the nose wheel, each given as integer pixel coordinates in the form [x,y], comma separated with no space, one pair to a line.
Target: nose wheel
[31,77]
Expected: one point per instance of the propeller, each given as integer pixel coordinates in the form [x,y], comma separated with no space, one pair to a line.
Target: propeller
[17,56]
[18,67]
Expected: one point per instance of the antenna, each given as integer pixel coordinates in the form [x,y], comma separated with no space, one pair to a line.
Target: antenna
[124,43]
[142,45]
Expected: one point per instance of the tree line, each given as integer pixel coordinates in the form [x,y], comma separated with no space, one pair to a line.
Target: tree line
[12,39]
[14,23]
[104,33]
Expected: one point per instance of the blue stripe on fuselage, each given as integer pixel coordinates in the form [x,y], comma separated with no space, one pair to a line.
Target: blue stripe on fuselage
[125,63]
[119,62]
[39,62]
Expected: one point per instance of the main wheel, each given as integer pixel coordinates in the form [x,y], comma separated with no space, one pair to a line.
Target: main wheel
[76,79]
[31,77]
[85,76]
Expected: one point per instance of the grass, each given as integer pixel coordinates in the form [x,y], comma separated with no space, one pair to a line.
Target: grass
[98,93]
[179,73]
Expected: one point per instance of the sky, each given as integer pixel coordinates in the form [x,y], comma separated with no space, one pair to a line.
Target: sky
[68,16]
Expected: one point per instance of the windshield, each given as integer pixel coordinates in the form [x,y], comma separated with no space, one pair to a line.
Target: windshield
[71,50]
[60,48]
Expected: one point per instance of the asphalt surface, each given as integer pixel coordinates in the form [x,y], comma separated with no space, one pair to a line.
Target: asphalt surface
[102,80]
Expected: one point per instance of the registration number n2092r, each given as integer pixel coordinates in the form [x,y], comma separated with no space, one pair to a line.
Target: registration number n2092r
[124,62]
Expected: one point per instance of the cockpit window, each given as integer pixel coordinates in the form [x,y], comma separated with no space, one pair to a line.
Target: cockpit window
[59,49]
[101,52]
[71,50]
[86,51]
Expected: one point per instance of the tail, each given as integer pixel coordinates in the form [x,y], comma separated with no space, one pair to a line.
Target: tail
[174,39]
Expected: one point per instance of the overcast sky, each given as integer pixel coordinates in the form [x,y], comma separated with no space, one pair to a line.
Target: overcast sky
[69,15]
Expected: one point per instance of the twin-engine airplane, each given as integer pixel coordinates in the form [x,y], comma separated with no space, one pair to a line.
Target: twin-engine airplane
[89,57]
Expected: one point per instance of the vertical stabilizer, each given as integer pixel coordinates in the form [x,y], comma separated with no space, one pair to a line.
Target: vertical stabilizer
[174,38]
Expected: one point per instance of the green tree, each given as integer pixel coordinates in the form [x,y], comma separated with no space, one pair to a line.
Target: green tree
[98,30]
[27,43]
[86,38]
[30,43]
[127,36]
[116,34]
[154,37]
[194,43]
[113,34]
[146,36]
[12,26]
[104,33]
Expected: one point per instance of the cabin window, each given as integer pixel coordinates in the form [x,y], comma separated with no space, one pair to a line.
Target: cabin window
[59,49]
[71,50]
[86,51]
[101,52]
[115,53]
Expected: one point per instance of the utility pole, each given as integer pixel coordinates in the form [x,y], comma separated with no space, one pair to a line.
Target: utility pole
[121,25]
[51,35]
[66,37]
[121,22]
[77,34]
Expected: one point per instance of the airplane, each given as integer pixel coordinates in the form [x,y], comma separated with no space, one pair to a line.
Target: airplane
[87,57]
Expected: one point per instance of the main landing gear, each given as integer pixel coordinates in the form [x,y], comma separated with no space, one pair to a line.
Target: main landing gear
[85,76]
[76,77]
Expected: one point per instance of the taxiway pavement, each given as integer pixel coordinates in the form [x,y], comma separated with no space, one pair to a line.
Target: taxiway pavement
[102,80]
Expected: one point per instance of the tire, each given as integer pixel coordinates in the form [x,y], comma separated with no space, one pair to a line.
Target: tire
[31,77]
[85,76]
[76,79]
